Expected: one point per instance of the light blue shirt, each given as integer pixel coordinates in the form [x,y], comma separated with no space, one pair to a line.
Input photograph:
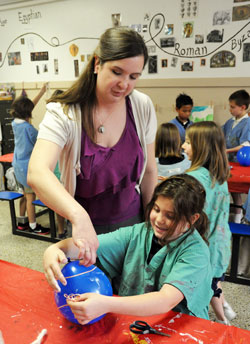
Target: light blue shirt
[173,169]
[235,136]
[181,128]
[25,138]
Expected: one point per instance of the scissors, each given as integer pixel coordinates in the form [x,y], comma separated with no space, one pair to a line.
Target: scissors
[141,327]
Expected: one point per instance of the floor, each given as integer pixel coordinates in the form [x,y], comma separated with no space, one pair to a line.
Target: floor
[29,252]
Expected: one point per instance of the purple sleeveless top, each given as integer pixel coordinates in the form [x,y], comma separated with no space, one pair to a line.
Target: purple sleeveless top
[106,185]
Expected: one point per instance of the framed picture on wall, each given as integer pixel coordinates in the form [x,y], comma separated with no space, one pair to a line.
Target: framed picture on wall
[152,64]
[164,63]
[187,66]
[246,52]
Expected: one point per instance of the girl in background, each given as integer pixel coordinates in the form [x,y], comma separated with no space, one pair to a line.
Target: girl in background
[163,264]
[169,158]
[205,147]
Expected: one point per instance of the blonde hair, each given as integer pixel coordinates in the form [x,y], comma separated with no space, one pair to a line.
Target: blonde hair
[168,141]
[209,150]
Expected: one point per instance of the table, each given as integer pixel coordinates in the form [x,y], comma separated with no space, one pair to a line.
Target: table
[240,178]
[7,157]
[6,160]
[27,307]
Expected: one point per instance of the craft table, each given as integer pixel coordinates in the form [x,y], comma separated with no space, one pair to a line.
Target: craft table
[28,306]
[6,160]
[240,178]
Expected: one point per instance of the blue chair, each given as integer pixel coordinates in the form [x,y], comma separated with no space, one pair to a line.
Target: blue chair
[39,203]
[11,196]
[238,230]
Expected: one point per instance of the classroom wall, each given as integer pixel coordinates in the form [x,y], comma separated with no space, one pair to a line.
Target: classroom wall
[53,26]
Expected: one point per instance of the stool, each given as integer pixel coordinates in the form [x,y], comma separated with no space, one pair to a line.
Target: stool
[51,217]
[11,196]
[238,230]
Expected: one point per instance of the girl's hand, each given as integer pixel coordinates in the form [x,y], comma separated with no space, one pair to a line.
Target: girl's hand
[52,259]
[88,306]
[85,238]
[162,178]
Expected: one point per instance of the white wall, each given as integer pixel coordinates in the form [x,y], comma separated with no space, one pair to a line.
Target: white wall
[82,21]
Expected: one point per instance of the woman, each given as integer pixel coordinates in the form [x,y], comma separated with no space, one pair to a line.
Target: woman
[103,131]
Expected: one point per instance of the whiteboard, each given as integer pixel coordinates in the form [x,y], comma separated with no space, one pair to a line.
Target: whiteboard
[180,45]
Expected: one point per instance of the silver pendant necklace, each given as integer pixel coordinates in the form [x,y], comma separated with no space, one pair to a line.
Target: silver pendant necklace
[101,129]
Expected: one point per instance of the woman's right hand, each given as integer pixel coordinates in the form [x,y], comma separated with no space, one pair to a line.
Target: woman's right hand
[52,259]
[85,238]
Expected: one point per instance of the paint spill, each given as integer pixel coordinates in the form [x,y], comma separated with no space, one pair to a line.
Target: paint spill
[192,337]
[176,317]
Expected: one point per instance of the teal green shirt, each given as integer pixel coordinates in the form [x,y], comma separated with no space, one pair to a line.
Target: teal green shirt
[183,263]
[217,210]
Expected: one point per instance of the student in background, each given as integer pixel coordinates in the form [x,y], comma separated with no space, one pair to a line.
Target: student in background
[205,147]
[25,136]
[237,135]
[163,264]
[169,158]
[184,105]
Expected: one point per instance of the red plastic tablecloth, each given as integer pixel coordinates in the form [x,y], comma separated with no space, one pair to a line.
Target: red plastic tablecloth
[6,157]
[240,178]
[27,307]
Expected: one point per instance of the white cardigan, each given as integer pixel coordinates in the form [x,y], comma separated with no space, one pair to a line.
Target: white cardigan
[66,130]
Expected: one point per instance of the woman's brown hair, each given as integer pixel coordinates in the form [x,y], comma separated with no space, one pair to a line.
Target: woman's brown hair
[114,44]
[209,150]
[188,197]
[168,141]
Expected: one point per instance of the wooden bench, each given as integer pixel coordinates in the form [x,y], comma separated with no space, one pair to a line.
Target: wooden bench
[238,230]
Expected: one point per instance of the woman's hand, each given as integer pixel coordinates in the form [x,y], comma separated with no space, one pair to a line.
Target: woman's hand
[85,238]
[89,306]
[52,259]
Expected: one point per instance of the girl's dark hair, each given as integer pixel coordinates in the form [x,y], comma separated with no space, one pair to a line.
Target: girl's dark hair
[168,141]
[22,108]
[188,197]
[209,149]
[114,44]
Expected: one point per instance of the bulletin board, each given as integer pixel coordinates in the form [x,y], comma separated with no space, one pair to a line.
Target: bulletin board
[185,38]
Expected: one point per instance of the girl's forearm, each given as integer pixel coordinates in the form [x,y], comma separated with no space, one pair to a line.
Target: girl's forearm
[153,303]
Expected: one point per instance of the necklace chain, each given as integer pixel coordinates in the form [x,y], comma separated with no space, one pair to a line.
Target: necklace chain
[101,129]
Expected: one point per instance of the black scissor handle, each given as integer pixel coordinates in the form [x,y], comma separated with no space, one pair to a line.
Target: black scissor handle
[140,326]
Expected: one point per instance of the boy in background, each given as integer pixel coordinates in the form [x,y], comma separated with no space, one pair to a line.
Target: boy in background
[184,105]
[237,135]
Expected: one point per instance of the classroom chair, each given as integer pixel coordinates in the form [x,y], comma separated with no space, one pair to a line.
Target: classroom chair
[11,196]
[238,230]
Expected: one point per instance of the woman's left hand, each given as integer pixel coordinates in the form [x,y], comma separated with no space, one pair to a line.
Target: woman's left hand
[88,306]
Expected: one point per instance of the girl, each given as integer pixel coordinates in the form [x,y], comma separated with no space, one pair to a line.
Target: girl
[103,131]
[205,147]
[168,154]
[163,264]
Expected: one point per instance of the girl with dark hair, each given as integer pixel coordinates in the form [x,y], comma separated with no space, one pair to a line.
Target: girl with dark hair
[162,264]
[102,131]
[205,147]
[25,136]
[169,158]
